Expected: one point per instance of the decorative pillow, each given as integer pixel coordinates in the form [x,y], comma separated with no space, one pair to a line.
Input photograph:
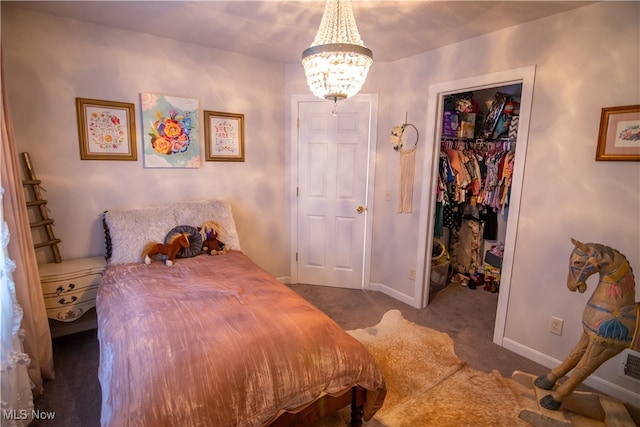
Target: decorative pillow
[198,212]
[195,240]
[131,230]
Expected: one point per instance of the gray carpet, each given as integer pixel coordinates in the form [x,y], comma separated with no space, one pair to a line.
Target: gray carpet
[467,316]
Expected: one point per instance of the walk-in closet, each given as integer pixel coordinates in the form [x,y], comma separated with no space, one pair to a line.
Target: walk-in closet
[478,137]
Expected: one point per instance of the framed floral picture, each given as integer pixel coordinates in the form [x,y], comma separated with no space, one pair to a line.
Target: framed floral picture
[619,136]
[224,136]
[106,130]
[170,131]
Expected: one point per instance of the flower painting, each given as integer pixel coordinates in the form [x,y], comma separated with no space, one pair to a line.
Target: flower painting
[619,136]
[106,130]
[628,134]
[170,131]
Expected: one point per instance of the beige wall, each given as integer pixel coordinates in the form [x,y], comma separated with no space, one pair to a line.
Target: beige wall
[50,61]
[585,59]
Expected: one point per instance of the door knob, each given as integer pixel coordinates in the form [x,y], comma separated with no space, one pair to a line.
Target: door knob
[360,209]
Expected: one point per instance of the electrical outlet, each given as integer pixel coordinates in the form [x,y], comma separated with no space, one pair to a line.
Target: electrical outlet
[555,326]
[412,274]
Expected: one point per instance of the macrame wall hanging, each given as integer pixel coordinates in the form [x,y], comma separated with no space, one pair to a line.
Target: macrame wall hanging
[406,144]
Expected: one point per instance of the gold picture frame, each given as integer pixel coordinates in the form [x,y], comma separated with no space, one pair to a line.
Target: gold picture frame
[106,130]
[619,135]
[224,136]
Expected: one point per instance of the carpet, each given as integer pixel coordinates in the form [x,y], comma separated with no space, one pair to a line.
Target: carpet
[428,385]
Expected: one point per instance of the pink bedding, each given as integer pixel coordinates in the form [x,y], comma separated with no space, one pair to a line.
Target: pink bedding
[217,341]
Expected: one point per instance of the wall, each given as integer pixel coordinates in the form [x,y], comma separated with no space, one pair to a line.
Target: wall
[586,59]
[49,61]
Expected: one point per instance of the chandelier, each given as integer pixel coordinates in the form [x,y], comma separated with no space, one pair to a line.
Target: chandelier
[337,62]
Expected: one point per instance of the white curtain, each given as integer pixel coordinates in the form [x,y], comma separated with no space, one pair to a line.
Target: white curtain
[17,399]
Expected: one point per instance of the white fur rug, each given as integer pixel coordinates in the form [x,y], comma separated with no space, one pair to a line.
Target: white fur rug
[428,385]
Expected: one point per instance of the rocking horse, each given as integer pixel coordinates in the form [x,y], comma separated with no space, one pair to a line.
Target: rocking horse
[610,320]
[170,250]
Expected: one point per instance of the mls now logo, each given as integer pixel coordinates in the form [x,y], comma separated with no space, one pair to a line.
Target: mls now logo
[24,414]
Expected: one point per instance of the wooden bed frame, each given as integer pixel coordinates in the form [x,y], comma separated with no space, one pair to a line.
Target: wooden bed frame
[325,406]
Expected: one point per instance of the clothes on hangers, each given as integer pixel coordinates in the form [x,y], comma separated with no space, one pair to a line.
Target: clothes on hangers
[474,182]
[481,174]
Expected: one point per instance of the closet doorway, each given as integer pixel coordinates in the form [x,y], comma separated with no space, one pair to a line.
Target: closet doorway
[485,86]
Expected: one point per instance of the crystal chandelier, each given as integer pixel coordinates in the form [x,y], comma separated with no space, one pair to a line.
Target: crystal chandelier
[337,62]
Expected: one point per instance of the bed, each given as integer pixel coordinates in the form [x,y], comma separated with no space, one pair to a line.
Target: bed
[216,340]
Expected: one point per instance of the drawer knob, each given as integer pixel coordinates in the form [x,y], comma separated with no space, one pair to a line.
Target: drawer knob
[63,301]
[61,288]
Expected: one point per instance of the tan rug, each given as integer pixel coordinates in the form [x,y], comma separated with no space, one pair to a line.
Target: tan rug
[428,385]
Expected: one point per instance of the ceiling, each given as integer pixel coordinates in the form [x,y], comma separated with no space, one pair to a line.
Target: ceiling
[280,30]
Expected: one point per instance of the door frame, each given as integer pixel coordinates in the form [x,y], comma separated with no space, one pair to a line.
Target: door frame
[526,77]
[372,99]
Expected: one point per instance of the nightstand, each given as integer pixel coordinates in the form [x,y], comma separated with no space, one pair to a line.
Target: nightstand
[69,290]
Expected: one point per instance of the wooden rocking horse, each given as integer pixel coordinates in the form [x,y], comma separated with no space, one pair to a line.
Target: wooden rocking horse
[610,320]
[170,250]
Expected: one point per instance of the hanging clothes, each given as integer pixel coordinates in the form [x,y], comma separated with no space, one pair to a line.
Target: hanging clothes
[481,174]
[474,182]
[443,216]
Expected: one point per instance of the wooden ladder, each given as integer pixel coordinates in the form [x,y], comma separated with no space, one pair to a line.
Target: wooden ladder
[41,213]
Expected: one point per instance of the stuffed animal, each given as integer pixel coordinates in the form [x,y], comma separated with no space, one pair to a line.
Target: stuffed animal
[210,231]
[170,250]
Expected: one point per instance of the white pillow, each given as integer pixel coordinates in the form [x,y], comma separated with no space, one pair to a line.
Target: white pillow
[197,213]
[131,230]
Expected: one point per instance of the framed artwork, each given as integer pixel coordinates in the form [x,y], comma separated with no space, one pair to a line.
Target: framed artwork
[619,136]
[170,126]
[224,136]
[106,130]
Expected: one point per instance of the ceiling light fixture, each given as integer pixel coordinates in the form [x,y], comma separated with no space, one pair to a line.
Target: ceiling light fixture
[337,62]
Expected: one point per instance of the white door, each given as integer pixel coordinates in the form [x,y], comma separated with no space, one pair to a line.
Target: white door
[332,182]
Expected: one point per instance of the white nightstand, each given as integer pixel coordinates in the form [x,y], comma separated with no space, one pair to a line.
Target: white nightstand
[69,290]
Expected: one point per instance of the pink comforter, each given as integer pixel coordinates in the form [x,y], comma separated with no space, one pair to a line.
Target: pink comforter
[217,341]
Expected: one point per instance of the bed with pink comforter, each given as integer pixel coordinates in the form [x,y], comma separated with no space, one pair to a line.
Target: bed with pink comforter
[217,341]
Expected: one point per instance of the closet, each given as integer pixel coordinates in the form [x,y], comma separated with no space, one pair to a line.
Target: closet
[476,159]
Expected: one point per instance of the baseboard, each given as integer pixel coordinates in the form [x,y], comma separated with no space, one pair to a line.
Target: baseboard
[592,381]
[284,279]
[393,293]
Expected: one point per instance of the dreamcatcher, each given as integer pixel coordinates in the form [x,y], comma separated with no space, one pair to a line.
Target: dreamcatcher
[399,135]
